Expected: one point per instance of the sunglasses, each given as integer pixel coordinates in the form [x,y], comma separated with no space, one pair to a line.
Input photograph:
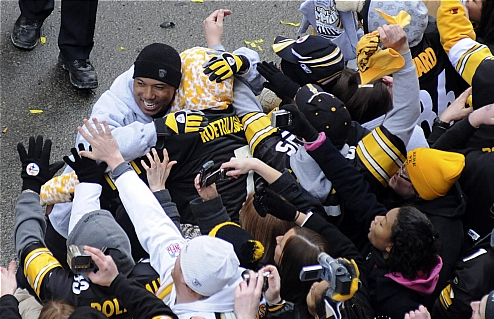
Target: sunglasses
[402,173]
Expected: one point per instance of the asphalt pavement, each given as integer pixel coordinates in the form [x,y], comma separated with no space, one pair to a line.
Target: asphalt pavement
[37,98]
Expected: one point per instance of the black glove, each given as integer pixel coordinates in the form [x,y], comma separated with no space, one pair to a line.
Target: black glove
[36,167]
[268,202]
[86,169]
[180,122]
[300,125]
[225,65]
[279,83]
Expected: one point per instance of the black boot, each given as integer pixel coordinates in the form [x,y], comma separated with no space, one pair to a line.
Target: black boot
[81,72]
[26,33]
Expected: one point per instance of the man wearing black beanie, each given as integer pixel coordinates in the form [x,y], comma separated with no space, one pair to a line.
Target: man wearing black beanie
[156,77]
[137,109]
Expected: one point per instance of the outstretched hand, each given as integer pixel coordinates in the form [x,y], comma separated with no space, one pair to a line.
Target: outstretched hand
[104,146]
[107,269]
[36,167]
[158,171]
[277,82]
[213,26]
[86,169]
[8,282]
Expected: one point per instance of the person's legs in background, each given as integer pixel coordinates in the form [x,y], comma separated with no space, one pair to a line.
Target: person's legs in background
[26,32]
[75,41]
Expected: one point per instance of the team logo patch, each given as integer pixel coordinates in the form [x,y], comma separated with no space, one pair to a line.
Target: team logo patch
[32,169]
[196,283]
[231,61]
[162,73]
[302,39]
[180,118]
[173,250]
[305,68]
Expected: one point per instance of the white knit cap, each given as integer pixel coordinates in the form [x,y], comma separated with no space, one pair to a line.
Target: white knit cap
[208,264]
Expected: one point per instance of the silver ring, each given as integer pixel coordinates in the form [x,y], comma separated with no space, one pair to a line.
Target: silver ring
[153,167]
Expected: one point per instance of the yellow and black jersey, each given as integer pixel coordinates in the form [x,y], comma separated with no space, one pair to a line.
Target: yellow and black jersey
[472,60]
[218,142]
[472,279]
[439,82]
[44,276]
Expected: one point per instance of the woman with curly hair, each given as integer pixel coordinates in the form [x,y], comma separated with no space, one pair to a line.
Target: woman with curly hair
[402,263]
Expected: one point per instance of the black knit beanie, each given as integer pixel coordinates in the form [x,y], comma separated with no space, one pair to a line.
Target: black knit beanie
[160,62]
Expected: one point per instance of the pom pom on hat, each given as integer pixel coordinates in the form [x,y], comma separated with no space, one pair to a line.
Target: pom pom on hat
[248,250]
[433,172]
[208,264]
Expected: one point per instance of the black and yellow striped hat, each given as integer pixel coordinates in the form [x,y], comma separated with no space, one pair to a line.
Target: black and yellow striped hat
[310,59]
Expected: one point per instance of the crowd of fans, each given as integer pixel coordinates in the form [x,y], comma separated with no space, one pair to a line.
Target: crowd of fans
[353,179]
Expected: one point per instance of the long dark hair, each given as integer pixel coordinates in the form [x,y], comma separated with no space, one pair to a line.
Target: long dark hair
[264,229]
[365,103]
[415,243]
[302,249]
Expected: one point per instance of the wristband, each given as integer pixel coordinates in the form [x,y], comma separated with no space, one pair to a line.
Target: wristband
[438,122]
[120,169]
[311,146]
[279,303]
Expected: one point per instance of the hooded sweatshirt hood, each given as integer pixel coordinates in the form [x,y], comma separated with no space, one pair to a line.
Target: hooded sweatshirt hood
[422,283]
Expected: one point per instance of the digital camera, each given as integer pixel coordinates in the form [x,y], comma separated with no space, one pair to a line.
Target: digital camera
[208,177]
[266,274]
[330,270]
[79,262]
[281,118]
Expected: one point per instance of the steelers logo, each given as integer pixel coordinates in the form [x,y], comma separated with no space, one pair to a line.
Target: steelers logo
[32,169]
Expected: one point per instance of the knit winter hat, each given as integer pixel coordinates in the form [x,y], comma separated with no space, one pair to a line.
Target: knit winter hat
[489,306]
[247,249]
[99,229]
[325,112]
[87,312]
[417,10]
[208,264]
[310,59]
[160,62]
[433,172]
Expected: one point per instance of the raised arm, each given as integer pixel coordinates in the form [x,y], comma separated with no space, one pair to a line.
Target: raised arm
[156,232]
[401,120]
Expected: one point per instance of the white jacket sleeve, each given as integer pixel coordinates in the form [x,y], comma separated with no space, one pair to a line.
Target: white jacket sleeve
[157,233]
